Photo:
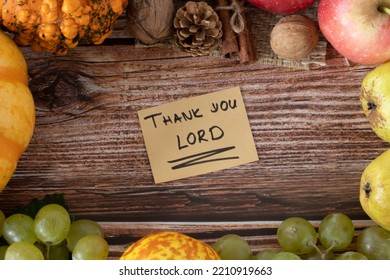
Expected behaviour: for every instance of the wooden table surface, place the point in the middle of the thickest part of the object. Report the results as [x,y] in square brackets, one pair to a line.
[312,139]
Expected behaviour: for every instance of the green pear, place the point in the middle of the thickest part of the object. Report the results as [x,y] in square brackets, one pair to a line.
[375,190]
[375,100]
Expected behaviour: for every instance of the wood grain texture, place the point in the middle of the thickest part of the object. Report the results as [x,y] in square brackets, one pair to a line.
[311,135]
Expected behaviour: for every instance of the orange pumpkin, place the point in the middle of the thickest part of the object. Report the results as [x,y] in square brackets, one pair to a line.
[56,26]
[17,109]
[168,245]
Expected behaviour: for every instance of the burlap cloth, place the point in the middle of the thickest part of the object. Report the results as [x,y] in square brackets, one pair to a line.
[261,25]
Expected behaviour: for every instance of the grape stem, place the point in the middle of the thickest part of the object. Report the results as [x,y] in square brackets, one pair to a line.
[334,243]
[324,253]
[320,252]
[48,246]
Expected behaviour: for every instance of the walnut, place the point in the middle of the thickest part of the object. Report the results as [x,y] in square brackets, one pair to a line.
[294,37]
[150,21]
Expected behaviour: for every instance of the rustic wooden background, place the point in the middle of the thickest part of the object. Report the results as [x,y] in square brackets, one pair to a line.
[312,139]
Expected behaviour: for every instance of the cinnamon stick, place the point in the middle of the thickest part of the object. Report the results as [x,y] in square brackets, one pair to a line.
[229,40]
[247,52]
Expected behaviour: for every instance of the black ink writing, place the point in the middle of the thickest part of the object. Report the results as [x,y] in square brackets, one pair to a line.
[153,119]
[175,118]
[223,105]
[202,158]
[214,133]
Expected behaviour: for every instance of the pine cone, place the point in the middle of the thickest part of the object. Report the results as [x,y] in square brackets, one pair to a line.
[198,28]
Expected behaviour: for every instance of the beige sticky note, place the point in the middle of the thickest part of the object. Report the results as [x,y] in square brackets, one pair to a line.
[197,135]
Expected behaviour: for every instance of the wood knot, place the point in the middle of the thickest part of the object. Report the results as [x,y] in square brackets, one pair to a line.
[57,90]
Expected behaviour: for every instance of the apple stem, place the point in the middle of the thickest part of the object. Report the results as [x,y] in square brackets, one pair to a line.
[385,10]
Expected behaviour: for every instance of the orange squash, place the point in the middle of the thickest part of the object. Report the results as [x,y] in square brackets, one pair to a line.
[17,109]
[57,26]
[168,245]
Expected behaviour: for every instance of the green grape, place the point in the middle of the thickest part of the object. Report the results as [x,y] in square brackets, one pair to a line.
[19,227]
[90,247]
[58,252]
[2,218]
[233,247]
[297,235]
[266,254]
[23,251]
[81,228]
[374,243]
[3,249]
[52,224]
[286,256]
[351,255]
[336,231]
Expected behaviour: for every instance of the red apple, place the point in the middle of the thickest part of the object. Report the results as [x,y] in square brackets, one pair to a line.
[282,7]
[358,29]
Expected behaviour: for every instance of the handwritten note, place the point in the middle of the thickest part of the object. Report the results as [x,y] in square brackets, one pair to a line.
[197,135]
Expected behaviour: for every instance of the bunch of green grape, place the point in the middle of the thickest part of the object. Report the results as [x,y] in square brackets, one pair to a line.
[332,240]
[298,239]
[51,235]
[334,235]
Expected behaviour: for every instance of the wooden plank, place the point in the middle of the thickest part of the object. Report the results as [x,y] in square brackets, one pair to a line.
[311,135]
